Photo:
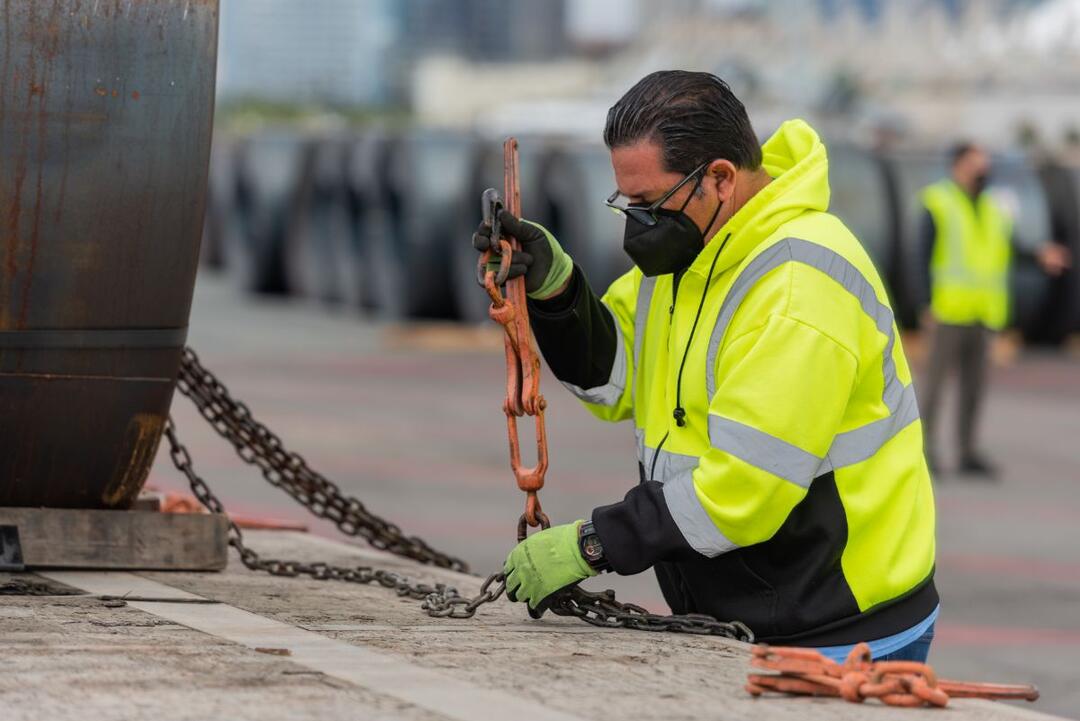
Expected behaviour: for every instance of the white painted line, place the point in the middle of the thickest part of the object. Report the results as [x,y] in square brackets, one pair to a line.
[379,672]
[118,583]
[545,628]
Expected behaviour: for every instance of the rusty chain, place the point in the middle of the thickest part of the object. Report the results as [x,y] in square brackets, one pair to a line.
[806,672]
[446,601]
[257,445]
[601,609]
[508,309]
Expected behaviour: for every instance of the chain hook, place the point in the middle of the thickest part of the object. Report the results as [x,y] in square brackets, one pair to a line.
[522,361]
[492,280]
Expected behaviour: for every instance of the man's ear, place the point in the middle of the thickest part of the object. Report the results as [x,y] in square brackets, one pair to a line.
[723,174]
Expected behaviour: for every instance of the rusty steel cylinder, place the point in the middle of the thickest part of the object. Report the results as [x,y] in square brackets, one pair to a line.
[105,123]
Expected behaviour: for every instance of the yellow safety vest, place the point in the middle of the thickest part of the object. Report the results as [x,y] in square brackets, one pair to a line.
[800,457]
[969,265]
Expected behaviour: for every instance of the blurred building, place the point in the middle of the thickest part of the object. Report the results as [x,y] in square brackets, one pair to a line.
[363,52]
[484,30]
[335,52]
[873,10]
[927,66]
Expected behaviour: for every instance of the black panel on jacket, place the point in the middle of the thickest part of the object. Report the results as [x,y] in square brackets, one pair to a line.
[790,588]
[639,531]
[576,334]
[791,583]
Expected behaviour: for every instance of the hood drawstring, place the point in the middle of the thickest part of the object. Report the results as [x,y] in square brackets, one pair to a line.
[679,414]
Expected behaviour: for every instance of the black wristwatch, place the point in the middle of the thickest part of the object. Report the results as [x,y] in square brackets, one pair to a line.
[591,548]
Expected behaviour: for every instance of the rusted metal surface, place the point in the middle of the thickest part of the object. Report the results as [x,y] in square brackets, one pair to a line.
[105,124]
[805,672]
[522,361]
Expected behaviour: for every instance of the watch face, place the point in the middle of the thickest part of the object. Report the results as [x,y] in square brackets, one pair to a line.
[591,547]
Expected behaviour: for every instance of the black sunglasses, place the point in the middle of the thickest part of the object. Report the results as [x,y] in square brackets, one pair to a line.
[646,215]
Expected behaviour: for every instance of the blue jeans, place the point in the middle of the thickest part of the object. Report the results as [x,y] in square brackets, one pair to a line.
[917,650]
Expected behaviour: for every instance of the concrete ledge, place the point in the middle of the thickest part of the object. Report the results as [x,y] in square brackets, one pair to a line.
[130,540]
[275,648]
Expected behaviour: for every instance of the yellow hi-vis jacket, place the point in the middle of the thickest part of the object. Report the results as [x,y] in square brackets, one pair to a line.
[969,263]
[793,494]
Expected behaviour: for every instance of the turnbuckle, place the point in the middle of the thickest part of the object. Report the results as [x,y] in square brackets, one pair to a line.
[522,361]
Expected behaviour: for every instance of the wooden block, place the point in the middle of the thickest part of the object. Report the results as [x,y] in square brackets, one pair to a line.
[148,501]
[129,540]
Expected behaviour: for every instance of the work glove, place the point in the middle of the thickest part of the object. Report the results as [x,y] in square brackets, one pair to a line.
[542,261]
[544,563]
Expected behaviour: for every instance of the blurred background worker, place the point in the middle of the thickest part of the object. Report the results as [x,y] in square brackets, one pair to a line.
[966,237]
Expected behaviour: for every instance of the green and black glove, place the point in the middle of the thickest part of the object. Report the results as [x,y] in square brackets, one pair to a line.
[542,261]
[545,562]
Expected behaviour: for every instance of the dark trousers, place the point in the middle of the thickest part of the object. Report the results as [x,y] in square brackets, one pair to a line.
[962,348]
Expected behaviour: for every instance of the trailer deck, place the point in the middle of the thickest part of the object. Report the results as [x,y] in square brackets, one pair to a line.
[245,645]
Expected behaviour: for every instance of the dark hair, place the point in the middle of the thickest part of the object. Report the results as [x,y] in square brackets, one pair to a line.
[694,117]
[960,149]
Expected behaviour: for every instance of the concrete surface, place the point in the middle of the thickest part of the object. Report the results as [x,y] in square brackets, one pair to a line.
[409,421]
[277,648]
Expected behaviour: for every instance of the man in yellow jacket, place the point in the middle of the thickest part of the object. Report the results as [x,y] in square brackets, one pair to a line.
[966,237]
[782,479]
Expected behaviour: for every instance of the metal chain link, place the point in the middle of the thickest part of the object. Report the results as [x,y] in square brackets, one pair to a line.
[449,604]
[601,609]
[257,445]
[439,599]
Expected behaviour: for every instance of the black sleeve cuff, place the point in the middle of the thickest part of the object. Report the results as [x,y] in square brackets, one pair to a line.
[639,531]
[576,334]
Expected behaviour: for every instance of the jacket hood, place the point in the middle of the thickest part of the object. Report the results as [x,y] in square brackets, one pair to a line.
[795,159]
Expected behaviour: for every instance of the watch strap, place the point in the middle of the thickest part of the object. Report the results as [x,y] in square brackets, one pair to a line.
[592,550]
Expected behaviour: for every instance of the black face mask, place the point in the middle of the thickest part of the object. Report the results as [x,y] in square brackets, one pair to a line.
[979,183]
[668,246]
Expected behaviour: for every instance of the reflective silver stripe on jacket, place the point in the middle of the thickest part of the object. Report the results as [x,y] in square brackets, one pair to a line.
[776,455]
[800,467]
[831,264]
[860,444]
[641,318]
[764,451]
[691,518]
[609,393]
[668,464]
[761,449]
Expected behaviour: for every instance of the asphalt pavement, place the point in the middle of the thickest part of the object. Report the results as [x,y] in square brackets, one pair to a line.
[408,419]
